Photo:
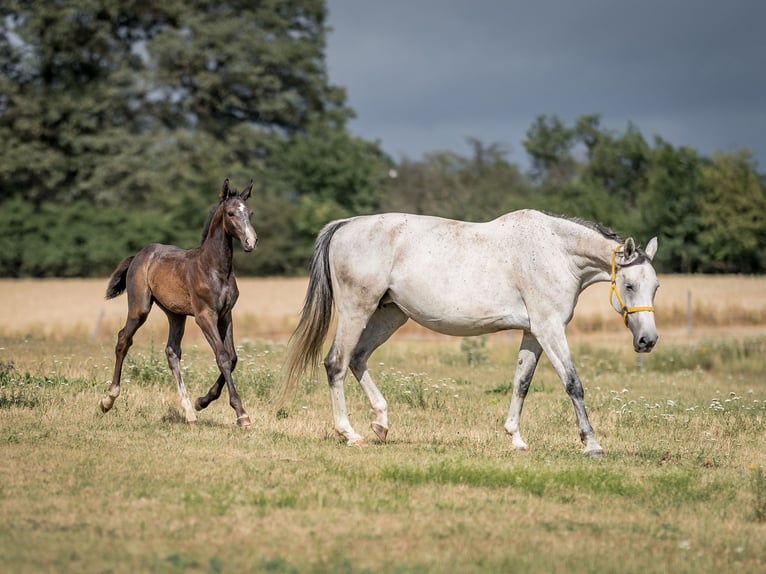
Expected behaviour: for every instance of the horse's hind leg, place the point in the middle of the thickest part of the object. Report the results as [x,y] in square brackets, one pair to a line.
[529,354]
[384,322]
[138,311]
[176,328]
[336,363]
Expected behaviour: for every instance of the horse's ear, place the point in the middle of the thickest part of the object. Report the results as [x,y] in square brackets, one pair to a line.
[225,189]
[651,248]
[628,250]
[245,195]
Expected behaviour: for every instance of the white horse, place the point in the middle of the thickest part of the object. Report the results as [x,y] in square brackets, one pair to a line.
[523,270]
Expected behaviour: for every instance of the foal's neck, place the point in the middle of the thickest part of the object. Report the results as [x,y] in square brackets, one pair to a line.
[217,250]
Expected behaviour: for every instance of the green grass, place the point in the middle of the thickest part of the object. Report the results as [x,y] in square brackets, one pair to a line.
[681,488]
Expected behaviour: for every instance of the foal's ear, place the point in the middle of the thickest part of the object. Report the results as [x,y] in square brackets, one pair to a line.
[651,248]
[245,195]
[225,189]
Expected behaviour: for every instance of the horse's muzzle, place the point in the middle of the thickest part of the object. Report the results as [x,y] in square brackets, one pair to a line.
[249,243]
[645,343]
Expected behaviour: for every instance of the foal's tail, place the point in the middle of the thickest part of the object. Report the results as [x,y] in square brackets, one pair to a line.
[305,343]
[117,282]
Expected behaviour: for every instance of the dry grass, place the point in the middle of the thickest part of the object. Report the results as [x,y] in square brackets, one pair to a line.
[137,490]
[269,309]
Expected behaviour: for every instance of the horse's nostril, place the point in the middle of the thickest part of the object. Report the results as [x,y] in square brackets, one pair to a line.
[646,343]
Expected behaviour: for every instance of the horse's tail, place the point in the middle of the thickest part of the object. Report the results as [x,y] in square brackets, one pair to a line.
[117,282]
[305,343]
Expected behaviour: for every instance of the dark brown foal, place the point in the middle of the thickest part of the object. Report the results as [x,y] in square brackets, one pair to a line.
[198,282]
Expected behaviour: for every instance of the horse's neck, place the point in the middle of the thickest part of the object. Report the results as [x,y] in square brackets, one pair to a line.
[217,249]
[592,256]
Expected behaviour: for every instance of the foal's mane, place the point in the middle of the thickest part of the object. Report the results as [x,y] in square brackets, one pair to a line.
[208,222]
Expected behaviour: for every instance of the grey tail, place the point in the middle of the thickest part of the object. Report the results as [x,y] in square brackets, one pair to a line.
[306,341]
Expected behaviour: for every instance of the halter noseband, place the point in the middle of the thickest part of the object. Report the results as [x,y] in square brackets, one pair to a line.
[613,289]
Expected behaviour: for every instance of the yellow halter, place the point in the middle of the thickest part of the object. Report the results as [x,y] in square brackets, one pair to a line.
[613,289]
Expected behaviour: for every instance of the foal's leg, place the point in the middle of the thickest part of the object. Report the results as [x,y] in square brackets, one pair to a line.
[383,323]
[139,306]
[529,354]
[556,348]
[226,358]
[176,327]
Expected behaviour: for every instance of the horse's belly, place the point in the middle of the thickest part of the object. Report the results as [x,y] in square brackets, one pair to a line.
[465,317]
[173,296]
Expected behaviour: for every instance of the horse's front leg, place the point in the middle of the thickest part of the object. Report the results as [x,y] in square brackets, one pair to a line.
[226,358]
[529,354]
[557,350]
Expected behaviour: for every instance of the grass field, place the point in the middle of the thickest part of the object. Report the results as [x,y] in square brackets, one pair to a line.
[682,488]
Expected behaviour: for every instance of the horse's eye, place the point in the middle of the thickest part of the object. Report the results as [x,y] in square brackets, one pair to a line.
[231,213]
[628,287]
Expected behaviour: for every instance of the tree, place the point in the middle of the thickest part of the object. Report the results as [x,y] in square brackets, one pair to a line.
[148,107]
[669,209]
[549,145]
[732,214]
[475,188]
[68,95]
[618,163]
[94,93]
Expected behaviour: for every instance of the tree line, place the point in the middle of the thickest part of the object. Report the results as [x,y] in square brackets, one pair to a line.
[120,120]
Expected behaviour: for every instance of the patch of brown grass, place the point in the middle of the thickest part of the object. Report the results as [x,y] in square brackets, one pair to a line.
[269,308]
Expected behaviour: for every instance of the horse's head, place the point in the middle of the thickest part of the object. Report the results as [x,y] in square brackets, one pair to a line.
[237,214]
[634,284]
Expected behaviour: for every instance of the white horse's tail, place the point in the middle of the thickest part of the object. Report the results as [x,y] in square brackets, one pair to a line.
[305,343]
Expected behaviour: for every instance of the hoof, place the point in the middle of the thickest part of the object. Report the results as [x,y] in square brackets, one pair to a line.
[594,452]
[243,421]
[519,445]
[357,442]
[198,405]
[380,431]
[102,406]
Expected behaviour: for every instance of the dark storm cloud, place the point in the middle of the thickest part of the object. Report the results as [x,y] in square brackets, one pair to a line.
[425,74]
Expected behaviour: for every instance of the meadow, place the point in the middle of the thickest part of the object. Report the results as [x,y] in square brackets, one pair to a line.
[682,487]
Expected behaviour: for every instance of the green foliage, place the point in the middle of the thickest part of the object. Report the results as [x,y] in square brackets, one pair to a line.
[732,215]
[538,482]
[736,356]
[758,489]
[120,120]
[474,349]
[26,390]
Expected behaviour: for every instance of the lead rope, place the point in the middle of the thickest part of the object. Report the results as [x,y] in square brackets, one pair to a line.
[613,289]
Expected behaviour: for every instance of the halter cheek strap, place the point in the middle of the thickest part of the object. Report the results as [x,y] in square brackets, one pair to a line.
[613,289]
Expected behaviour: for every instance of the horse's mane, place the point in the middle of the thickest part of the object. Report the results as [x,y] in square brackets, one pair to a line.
[209,221]
[597,227]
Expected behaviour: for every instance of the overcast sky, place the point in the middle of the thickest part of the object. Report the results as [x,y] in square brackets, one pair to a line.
[424,75]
